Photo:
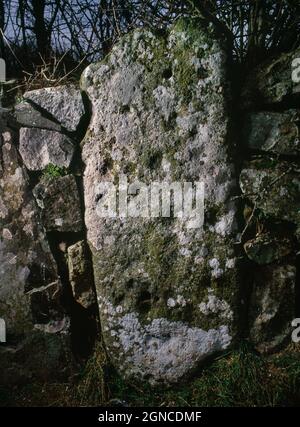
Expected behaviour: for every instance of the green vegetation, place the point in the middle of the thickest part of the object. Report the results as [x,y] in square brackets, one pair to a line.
[239,378]
[53,171]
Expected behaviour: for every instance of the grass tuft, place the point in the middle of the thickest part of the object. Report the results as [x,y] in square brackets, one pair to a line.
[92,387]
[240,378]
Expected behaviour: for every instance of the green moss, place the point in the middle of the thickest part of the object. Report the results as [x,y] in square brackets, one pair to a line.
[185,74]
[197,30]
[166,274]
[130,169]
[155,68]
[192,43]
[179,64]
[151,157]
[169,271]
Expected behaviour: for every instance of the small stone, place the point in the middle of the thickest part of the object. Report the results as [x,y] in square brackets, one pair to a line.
[6,234]
[274,187]
[63,247]
[266,248]
[272,306]
[64,103]
[81,274]
[27,116]
[171,302]
[271,82]
[59,201]
[39,148]
[273,132]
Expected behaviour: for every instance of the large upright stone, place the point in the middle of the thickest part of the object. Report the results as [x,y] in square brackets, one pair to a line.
[167,293]
[29,284]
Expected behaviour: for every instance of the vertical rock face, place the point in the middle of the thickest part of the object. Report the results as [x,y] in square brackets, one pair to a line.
[29,285]
[167,293]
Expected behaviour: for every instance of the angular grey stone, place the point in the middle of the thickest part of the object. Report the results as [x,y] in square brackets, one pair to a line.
[271,82]
[39,148]
[273,132]
[272,306]
[167,294]
[266,248]
[274,187]
[64,103]
[59,201]
[27,116]
[81,274]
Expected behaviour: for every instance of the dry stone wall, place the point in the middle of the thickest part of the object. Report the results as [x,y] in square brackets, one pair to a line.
[169,295]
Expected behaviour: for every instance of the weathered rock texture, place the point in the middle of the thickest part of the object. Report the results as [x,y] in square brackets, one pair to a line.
[63,103]
[274,132]
[40,147]
[28,116]
[271,185]
[29,285]
[59,201]
[271,182]
[40,216]
[169,295]
[272,305]
[271,82]
[160,113]
[266,248]
[81,274]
